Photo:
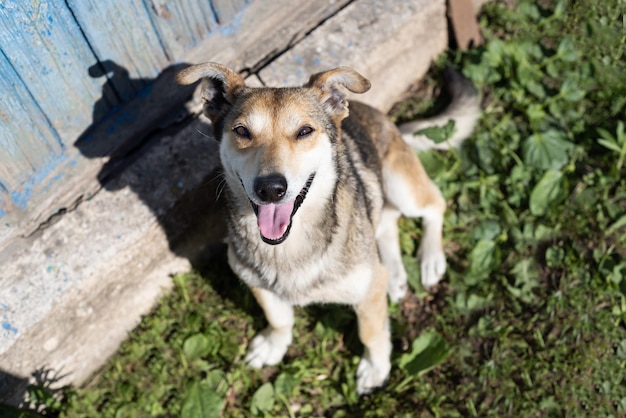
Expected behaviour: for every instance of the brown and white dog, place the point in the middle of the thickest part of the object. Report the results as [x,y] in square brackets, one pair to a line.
[314,195]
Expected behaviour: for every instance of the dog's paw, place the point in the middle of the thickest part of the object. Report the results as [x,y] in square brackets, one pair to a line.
[397,290]
[433,266]
[370,377]
[268,348]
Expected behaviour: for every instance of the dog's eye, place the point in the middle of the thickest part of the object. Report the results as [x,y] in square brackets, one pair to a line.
[304,131]
[242,131]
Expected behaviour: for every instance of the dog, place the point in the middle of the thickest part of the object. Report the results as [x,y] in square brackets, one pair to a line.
[315,188]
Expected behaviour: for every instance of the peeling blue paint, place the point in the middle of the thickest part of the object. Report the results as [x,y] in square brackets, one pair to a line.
[21,197]
[8,327]
[2,213]
[232,27]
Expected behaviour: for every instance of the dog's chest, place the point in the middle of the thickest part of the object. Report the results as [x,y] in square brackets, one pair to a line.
[306,269]
[322,280]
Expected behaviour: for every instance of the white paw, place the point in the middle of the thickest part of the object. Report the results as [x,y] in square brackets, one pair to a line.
[370,377]
[397,284]
[268,348]
[397,289]
[433,266]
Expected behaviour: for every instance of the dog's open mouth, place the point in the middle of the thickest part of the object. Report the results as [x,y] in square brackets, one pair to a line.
[274,220]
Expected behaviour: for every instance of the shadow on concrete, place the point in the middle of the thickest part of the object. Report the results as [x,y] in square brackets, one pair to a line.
[39,396]
[14,385]
[141,132]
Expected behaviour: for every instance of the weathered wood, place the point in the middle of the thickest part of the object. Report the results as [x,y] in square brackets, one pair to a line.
[122,35]
[45,46]
[181,24]
[396,41]
[265,29]
[26,138]
[28,144]
[226,10]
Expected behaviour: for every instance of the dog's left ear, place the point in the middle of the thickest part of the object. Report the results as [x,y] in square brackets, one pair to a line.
[220,87]
[332,86]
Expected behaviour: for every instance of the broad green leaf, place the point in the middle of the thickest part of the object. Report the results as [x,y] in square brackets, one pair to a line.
[427,351]
[525,281]
[567,51]
[610,145]
[263,399]
[617,276]
[525,272]
[606,134]
[214,378]
[196,346]
[285,384]
[201,401]
[570,90]
[438,134]
[482,259]
[529,10]
[535,113]
[547,191]
[495,51]
[536,88]
[486,229]
[547,150]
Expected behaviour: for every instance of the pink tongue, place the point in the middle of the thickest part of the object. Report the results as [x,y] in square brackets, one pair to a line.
[273,219]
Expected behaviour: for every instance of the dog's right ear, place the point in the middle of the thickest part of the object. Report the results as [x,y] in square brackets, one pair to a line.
[220,86]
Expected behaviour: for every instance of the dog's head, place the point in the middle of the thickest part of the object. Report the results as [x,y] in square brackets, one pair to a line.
[276,143]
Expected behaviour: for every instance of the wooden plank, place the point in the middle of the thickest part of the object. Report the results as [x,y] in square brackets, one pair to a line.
[391,43]
[226,10]
[29,146]
[181,24]
[45,46]
[264,30]
[121,33]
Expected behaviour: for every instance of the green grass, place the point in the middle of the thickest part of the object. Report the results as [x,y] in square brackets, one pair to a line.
[530,320]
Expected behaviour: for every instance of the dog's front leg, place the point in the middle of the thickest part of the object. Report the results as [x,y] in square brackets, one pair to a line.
[270,345]
[374,333]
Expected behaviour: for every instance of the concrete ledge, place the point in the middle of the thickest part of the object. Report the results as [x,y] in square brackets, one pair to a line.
[390,43]
[69,296]
[75,291]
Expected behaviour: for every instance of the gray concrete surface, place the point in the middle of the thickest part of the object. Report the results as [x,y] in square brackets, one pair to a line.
[70,295]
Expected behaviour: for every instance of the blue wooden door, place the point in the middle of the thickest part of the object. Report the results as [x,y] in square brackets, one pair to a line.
[65,65]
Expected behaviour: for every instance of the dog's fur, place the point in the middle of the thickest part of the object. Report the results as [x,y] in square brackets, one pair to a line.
[314,194]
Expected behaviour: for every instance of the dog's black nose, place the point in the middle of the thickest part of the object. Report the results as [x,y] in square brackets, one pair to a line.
[270,189]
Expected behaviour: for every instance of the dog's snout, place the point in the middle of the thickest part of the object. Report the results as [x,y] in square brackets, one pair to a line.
[270,189]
